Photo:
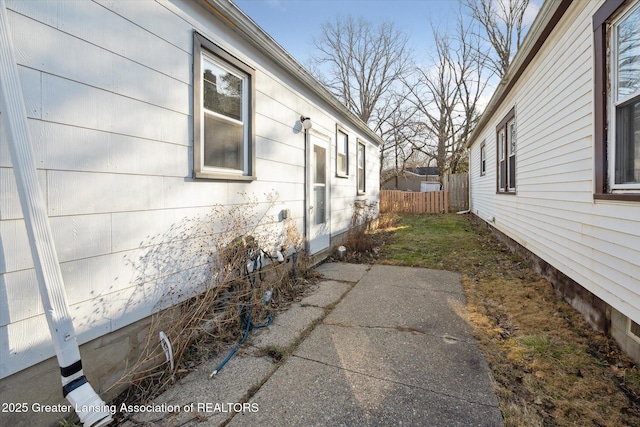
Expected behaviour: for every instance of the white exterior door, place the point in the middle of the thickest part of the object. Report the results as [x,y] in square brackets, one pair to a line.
[318,193]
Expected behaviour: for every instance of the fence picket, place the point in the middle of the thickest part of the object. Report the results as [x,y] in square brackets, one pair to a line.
[458,187]
[414,202]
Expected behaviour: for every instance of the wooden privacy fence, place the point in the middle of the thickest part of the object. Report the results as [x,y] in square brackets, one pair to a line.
[458,187]
[414,202]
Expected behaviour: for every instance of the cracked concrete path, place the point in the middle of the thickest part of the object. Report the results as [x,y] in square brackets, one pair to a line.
[371,346]
[396,350]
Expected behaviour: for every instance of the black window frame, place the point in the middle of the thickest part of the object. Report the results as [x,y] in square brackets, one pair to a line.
[506,167]
[483,158]
[601,23]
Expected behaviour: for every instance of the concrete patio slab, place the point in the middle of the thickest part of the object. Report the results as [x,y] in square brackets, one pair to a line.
[308,393]
[440,364]
[328,292]
[378,301]
[395,350]
[200,394]
[342,271]
[287,327]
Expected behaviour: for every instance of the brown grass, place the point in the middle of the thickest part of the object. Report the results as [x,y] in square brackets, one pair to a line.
[550,367]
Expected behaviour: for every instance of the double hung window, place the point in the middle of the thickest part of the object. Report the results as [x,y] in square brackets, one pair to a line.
[223,114]
[342,153]
[624,119]
[506,142]
[616,27]
[361,167]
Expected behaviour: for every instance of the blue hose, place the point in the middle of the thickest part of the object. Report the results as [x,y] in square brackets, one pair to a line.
[246,319]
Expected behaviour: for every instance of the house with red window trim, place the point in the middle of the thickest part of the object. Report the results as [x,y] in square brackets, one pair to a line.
[555,159]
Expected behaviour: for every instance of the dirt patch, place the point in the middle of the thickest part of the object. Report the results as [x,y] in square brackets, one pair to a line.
[550,367]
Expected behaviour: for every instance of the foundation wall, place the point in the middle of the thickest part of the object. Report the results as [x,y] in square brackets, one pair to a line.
[600,315]
[104,360]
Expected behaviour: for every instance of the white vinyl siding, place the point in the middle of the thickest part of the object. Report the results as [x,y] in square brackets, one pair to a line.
[114,153]
[554,215]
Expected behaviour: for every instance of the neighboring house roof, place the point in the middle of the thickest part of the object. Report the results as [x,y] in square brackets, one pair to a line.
[237,19]
[546,20]
[417,172]
[408,173]
[424,170]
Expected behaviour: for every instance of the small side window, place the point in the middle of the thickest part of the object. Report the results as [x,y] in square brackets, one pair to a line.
[361,167]
[483,158]
[342,153]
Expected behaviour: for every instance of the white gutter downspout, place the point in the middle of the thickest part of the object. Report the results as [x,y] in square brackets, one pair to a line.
[90,408]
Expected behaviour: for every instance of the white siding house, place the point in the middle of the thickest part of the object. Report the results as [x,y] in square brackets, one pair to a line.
[143,116]
[555,160]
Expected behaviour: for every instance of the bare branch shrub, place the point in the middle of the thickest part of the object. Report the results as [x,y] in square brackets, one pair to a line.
[248,252]
[359,240]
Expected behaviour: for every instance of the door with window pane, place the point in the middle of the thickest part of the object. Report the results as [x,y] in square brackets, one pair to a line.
[318,193]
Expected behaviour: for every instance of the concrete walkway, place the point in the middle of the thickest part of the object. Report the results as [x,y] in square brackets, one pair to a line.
[395,350]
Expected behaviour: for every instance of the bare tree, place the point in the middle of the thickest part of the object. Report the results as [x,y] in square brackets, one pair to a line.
[472,80]
[403,134]
[502,26]
[447,94]
[363,62]
[363,66]
[435,96]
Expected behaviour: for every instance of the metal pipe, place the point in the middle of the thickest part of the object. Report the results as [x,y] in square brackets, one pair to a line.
[89,407]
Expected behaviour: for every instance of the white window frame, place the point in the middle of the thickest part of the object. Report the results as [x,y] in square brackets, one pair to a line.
[206,51]
[342,147]
[615,103]
[361,158]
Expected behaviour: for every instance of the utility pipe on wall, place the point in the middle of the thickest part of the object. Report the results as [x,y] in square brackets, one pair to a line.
[89,407]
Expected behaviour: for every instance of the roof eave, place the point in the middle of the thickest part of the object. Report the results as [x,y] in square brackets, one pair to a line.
[546,20]
[238,20]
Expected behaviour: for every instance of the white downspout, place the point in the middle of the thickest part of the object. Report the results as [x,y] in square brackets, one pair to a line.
[88,405]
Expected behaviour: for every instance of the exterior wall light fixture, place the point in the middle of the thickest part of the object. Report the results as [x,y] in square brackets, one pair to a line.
[306,122]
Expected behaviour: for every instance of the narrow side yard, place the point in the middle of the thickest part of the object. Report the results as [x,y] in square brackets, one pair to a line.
[550,367]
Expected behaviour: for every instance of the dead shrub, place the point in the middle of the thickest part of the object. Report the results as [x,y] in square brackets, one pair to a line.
[248,255]
[387,220]
[359,240]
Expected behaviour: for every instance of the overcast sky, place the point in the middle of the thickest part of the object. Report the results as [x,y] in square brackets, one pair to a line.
[293,23]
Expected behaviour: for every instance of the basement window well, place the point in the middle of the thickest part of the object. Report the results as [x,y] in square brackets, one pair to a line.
[633,330]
